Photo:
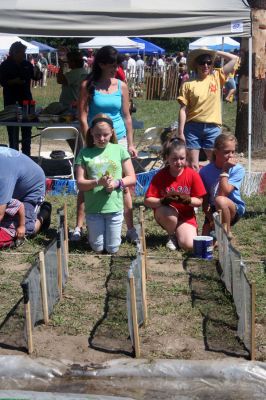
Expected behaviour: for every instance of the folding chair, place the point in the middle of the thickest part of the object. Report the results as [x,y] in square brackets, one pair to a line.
[149,154]
[66,159]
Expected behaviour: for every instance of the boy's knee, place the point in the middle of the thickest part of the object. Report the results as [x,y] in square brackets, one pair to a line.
[220,202]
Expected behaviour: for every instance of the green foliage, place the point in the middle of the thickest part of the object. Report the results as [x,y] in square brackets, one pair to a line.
[171,45]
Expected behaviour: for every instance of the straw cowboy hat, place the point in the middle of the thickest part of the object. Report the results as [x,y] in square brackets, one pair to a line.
[194,54]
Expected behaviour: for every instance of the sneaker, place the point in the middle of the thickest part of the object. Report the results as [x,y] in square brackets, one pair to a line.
[132,235]
[76,234]
[171,243]
[44,215]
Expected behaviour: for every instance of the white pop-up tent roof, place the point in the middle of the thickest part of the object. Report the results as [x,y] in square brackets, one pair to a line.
[80,18]
[7,40]
[119,42]
[215,43]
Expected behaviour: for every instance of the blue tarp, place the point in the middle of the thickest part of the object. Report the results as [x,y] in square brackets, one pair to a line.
[43,46]
[149,49]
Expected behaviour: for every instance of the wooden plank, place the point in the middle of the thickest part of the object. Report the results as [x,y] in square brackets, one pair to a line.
[28,326]
[253,318]
[134,315]
[44,288]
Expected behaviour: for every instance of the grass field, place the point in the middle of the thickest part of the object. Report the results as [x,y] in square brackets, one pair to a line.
[151,112]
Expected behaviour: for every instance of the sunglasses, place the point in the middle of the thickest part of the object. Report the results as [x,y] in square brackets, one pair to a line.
[203,62]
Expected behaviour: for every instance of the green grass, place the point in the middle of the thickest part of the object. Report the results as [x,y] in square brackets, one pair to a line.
[151,112]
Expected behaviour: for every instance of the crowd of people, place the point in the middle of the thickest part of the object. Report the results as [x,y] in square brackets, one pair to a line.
[104,171]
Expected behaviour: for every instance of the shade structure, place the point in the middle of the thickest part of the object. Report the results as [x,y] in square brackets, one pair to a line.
[90,18]
[43,46]
[149,48]
[117,42]
[7,40]
[215,43]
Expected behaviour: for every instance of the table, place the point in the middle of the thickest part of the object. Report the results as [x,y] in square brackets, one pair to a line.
[39,125]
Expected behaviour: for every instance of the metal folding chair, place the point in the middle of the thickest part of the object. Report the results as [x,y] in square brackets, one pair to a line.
[149,150]
[58,133]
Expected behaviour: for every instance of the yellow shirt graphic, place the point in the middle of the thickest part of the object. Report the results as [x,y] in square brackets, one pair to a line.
[202,98]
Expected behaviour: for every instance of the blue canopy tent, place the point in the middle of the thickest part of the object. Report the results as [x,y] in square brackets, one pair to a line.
[149,48]
[43,47]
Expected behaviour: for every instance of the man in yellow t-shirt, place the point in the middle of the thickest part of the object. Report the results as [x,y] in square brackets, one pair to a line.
[200,102]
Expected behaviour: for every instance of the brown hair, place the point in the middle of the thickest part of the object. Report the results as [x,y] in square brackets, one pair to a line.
[75,57]
[100,118]
[172,144]
[221,140]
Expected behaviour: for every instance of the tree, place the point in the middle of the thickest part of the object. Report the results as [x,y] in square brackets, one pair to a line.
[258,82]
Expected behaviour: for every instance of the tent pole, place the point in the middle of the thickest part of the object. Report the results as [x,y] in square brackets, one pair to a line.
[249,102]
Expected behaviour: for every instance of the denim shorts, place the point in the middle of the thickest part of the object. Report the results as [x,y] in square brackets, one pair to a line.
[200,135]
[31,211]
[230,84]
[104,231]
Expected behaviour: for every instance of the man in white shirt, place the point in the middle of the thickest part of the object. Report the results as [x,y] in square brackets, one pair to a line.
[161,65]
[131,73]
[131,67]
[140,69]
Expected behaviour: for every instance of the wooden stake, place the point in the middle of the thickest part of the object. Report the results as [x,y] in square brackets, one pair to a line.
[44,288]
[134,315]
[28,326]
[253,317]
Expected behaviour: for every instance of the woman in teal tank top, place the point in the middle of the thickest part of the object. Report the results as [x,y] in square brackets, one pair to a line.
[102,93]
[111,103]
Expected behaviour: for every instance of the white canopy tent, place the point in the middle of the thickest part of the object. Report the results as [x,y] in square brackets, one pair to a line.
[7,40]
[90,18]
[119,42]
[216,43]
[168,18]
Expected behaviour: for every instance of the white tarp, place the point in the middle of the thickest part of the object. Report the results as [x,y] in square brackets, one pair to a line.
[216,43]
[7,40]
[132,379]
[80,18]
[119,42]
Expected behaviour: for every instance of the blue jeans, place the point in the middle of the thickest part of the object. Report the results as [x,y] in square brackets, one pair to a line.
[104,231]
[200,135]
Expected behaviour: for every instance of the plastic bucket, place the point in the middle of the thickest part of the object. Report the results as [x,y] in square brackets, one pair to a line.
[203,247]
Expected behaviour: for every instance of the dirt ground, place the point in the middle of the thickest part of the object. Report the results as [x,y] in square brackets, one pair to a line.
[89,325]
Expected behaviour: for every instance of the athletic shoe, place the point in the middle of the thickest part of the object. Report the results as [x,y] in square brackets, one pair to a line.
[171,243]
[132,236]
[76,234]
[44,215]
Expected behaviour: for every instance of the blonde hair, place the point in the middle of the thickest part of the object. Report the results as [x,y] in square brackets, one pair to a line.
[96,120]
[221,140]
